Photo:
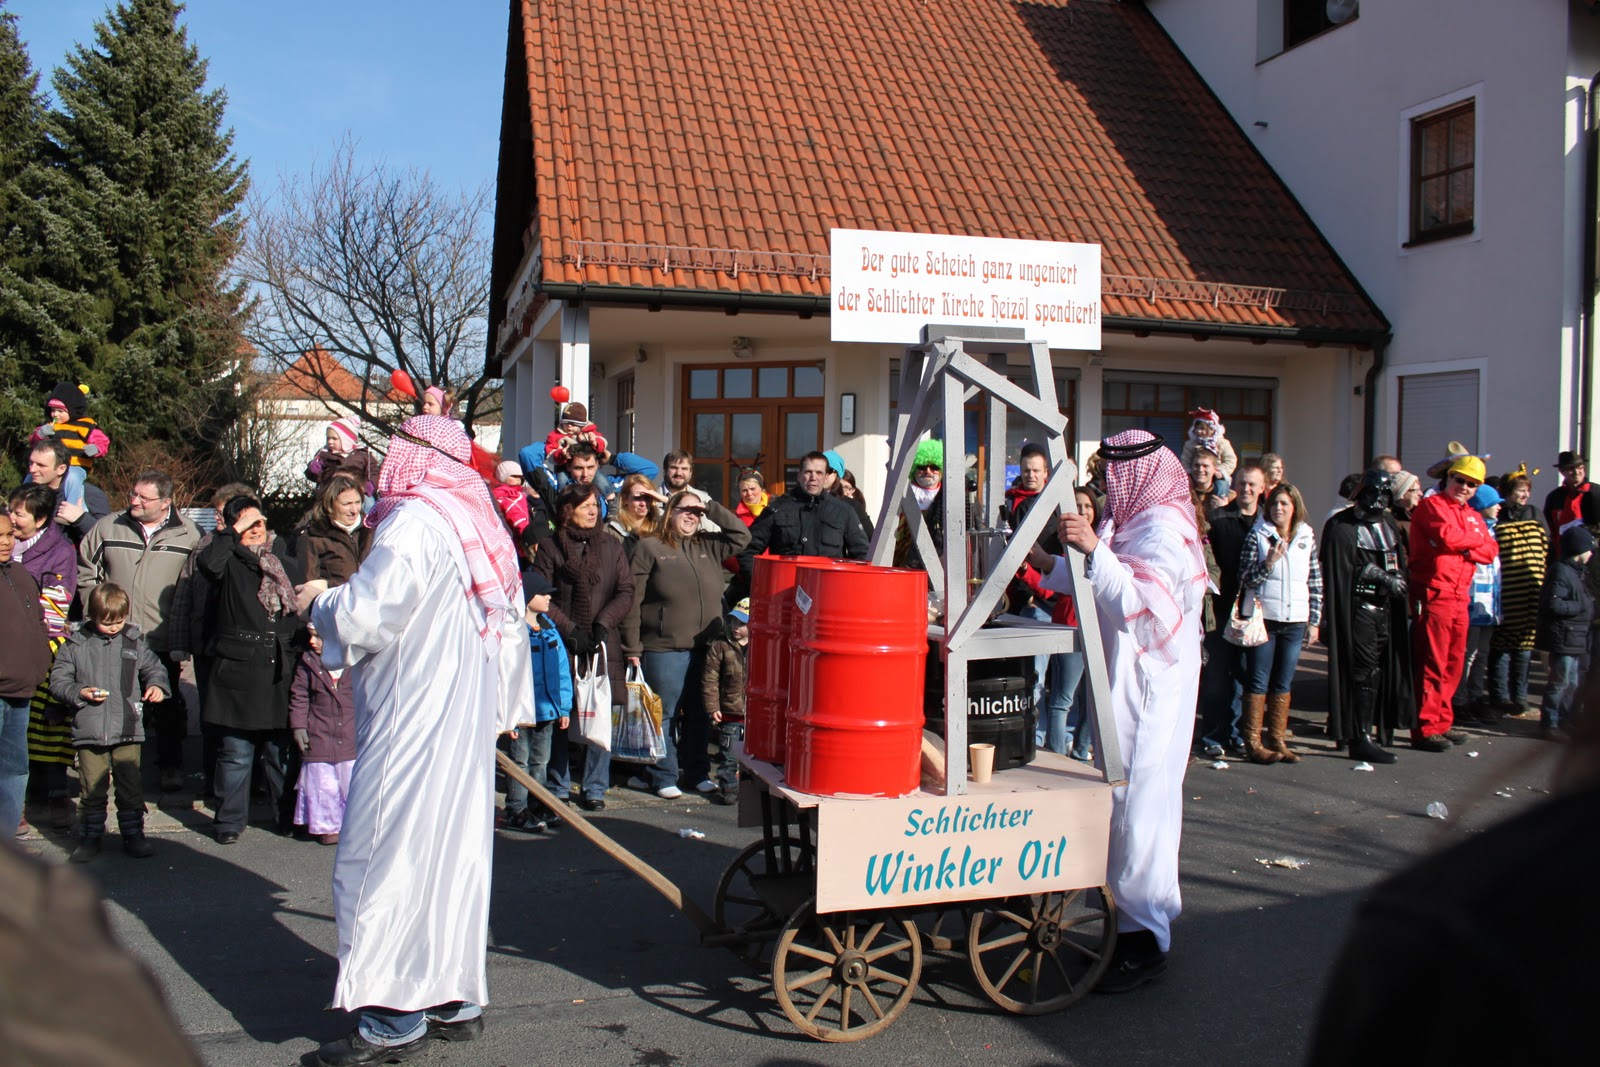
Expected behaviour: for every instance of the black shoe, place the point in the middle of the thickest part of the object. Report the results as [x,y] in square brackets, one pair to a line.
[137,847]
[88,848]
[592,803]
[464,1030]
[1362,748]
[724,799]
[355,1049]
[1212,750]
[1432,743]
[231,837]
[1136,961]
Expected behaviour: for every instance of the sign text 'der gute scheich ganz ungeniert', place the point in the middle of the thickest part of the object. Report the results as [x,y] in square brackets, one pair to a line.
[886,285]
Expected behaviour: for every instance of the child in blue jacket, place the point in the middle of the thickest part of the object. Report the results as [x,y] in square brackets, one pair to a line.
[530,745]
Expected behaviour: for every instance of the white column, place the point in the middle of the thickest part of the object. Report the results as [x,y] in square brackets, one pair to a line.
[510,422]
[575,353]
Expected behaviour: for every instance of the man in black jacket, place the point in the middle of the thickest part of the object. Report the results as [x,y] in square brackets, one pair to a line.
[47,466]
[1219,688]
[806,522]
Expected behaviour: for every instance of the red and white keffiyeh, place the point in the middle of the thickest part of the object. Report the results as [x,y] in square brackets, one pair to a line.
[1150,510]
[429,460]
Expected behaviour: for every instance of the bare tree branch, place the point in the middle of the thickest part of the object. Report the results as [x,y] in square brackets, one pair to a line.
[383,270]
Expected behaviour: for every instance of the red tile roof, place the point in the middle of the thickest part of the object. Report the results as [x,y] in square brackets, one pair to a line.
[319,375]
[710,145]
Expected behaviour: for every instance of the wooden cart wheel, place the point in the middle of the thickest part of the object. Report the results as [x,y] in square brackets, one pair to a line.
[739,909]
[845,977]
[1034,955]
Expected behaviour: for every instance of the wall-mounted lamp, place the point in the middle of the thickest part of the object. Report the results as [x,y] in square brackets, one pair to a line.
[847,413]
[742,348]
[640,355]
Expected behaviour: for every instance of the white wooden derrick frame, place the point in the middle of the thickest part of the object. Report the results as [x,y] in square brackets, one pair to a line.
[937,379]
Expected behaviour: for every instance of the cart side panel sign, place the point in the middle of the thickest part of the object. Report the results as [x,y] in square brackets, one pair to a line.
[932,849]
[888,285]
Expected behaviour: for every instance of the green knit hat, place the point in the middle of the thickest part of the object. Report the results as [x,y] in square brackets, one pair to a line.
[929,451]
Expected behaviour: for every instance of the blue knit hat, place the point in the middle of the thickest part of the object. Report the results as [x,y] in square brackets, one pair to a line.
[1485,498]
[836,462]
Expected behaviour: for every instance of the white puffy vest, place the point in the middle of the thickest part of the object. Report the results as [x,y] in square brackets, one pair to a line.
[1285,595]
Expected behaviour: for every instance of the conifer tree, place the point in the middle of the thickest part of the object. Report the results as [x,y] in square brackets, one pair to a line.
[142,140]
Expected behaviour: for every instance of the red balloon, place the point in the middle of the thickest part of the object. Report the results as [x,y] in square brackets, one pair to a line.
[561,394]
[403,384]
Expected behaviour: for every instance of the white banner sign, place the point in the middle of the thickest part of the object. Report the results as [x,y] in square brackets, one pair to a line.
[887,286]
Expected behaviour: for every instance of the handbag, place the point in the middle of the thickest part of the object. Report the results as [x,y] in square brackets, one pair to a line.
[591,701]
[636,736]
[1246,631]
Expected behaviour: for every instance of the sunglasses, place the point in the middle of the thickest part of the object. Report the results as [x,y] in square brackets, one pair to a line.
[638,500]
[1464,482]
[698,513]
[930,467]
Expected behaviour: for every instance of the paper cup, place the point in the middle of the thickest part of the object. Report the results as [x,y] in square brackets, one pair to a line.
[981,759]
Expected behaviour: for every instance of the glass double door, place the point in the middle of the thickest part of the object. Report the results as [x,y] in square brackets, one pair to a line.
[764,417]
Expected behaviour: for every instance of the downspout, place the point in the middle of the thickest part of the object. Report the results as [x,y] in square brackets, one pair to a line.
[1591,220]
[1369,400]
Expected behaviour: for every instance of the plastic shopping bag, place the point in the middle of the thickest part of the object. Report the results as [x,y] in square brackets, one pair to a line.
[591,691]
[636,736]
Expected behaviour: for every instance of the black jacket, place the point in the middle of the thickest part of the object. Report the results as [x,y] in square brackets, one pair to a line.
[798,525]
[1228,532]
[1566,612]
[1342,560]
[252,662]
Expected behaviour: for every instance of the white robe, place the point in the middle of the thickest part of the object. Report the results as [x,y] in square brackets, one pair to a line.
[411,877]
[1153,702]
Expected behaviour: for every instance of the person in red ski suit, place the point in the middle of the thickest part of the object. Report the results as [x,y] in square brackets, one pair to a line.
[1448,538]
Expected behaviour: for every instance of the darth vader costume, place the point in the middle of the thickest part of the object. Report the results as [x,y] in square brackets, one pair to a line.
[1364,622]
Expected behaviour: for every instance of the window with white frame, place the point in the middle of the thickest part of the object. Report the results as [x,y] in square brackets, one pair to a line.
[1443,180]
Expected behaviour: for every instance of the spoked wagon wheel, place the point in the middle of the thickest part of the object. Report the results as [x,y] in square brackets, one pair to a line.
[739,908]
[845,977]
[1034,955]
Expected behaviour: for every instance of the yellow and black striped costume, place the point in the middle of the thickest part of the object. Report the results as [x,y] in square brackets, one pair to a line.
[48,743]
[1524,552]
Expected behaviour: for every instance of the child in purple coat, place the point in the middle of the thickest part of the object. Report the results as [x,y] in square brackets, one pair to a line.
[323,721]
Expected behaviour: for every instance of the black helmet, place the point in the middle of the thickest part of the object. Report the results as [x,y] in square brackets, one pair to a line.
[1376,491]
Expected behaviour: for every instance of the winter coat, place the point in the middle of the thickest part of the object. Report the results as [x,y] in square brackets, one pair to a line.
[800,525]
[1291,589]
[722,679]
[1019,503]
[357,463]
[330,553]
[1566,611]
[190,614]
[1447,540]
[121,664]
[552,673]
[322,706]
[252,662]
[24,645]
[610,598]
[53,562]
[116,551]
[678,591]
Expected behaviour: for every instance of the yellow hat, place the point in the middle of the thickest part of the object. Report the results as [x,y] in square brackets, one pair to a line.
[1471,466]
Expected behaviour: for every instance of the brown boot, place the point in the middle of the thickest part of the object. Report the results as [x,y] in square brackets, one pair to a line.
[1252,707]
[1278,727]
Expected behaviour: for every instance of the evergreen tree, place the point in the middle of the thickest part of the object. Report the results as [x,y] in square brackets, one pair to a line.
[142,141]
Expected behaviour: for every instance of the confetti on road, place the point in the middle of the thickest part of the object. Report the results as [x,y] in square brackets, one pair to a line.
[1294,863]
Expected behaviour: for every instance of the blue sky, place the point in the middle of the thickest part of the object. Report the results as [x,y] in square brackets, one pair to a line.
[418,84]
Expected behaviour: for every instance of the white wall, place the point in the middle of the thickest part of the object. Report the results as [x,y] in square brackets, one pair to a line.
[1333,113]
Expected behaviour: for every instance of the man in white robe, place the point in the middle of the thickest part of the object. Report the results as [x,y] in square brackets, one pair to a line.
[430,630]
[1147,569]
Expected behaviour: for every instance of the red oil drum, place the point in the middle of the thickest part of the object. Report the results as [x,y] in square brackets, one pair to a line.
[855,709]
[771,625]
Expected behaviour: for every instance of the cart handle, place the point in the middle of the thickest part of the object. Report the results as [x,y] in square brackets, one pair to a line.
[657,881]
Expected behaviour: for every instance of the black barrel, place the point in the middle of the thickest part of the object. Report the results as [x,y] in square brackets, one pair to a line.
[1000,707]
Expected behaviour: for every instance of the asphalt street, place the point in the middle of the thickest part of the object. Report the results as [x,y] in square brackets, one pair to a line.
[588,965]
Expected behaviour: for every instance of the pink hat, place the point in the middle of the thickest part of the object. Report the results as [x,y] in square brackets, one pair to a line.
[437,393]
[348,428]
[507,470]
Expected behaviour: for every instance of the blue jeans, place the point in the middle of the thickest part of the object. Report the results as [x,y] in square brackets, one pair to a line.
[13,762]
[1220,692]
[1508,676]
[1561,697]
[236,756]
[387,1027]
[530,751]
[596,771]
[1061,717]
[1051,704]
[667,673]
[1269,668]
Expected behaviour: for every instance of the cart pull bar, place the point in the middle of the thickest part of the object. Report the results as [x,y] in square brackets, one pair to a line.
[658,881]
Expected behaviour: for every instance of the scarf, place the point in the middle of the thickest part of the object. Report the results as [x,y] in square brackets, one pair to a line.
[924,496]
[579,570]
[276,592]
[429,461]
[20,548]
